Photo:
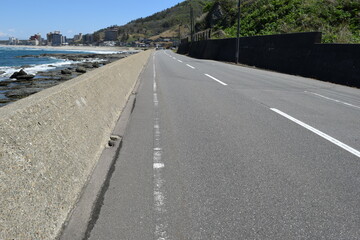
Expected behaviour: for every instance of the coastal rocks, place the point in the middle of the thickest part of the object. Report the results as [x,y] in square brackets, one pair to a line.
[24,92]
[44,84]
[87,65]
[16,74]
[66,71]
[5,83]
[25,77]
[48,74]
[2,72]
[66,77]
[80,70]
[23,84]
[22,75]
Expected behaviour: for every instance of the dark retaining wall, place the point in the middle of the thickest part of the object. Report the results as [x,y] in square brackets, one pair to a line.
[298,54]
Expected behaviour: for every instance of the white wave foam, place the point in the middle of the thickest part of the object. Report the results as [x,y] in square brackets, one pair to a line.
[67,50]
[20,48]
[34,69]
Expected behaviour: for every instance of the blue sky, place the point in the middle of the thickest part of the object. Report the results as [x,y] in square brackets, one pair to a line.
[23,18]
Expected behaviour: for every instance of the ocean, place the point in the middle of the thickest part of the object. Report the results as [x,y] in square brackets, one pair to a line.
[9,63]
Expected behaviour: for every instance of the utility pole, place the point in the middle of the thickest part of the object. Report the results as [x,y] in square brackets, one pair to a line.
[192,23]
[238,35]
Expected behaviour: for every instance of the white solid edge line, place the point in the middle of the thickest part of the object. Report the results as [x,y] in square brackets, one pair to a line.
[215,79]
[318,132]
[334,100]
[190,66]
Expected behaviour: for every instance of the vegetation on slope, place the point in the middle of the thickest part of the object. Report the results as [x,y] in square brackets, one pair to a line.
[339,20]
[158,23]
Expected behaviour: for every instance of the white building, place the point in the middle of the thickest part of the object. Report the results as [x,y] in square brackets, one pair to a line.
[13,41]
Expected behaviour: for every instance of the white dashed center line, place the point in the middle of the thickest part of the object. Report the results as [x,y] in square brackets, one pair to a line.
[215,79]
[158,168]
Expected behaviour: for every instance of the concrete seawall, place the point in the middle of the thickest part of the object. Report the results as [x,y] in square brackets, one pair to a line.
[51,141]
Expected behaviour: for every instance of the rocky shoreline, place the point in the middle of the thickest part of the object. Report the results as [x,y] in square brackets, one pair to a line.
[22,84]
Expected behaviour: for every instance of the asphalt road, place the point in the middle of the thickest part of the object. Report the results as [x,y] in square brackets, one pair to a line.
[218,151]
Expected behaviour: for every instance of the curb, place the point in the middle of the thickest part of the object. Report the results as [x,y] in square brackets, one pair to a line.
[84,215]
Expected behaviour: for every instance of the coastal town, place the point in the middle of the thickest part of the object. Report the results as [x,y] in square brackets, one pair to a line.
[111,38]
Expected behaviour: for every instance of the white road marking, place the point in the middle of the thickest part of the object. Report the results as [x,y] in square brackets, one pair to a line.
[156,101]
[216,79]
[154,67]
[154,87]
[180,61]
[190,66]
[158,168]
[334,100]
[318,132]
[158,165]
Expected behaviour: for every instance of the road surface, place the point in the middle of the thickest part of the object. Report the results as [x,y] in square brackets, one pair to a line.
[218,151]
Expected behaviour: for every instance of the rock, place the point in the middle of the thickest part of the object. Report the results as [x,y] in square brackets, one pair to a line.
[2,72]
[3,101]
[66,71]
[80,70]
[89,65]
[25,77]
[53,73]
[14,75]
[22,72]
[45,85]
[5,83]
[95,65]
[86,65]
[24,92]
[22,75]
[66,77]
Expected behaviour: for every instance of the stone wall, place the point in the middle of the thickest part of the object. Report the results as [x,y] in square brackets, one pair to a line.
[298,54]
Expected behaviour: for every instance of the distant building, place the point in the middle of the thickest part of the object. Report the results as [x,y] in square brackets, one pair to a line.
[63,40]
[55,39]
[49,38]
[13,41]
[36,39]
[88,38]
[78,37]
[111,34]
[107,44]
[34,42]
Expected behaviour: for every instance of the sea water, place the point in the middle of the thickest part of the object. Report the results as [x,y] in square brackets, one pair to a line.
[10,61]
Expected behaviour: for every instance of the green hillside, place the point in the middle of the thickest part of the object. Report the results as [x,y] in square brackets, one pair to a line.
[160,22]
[339,20]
